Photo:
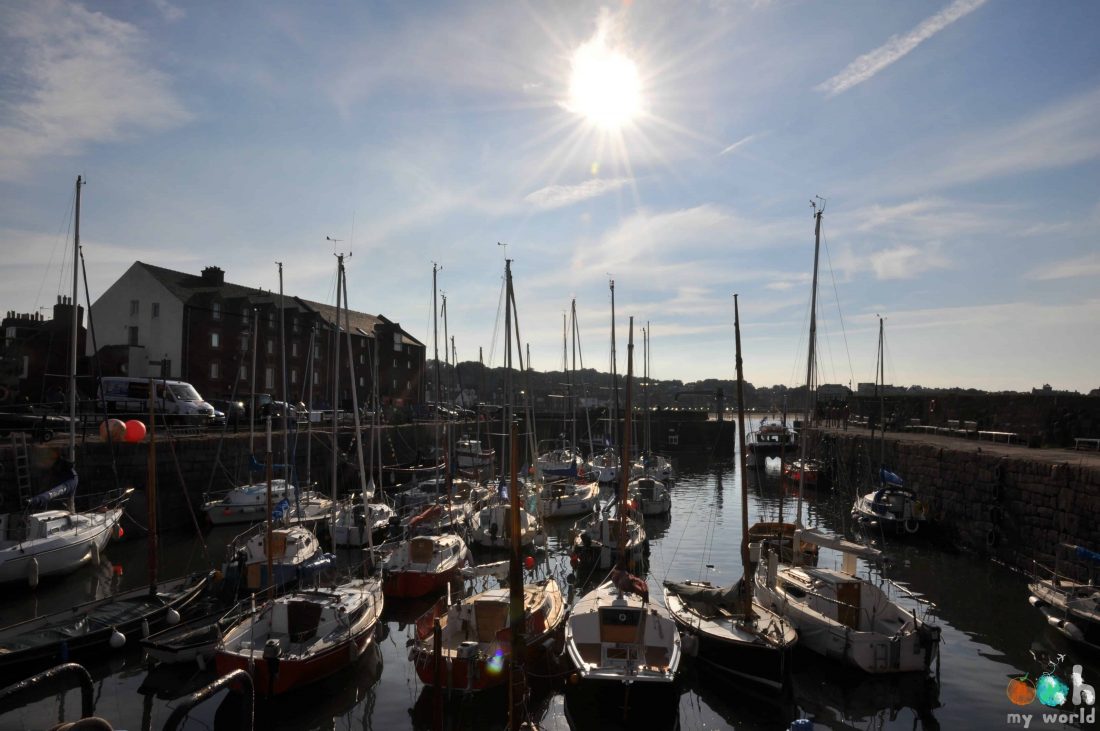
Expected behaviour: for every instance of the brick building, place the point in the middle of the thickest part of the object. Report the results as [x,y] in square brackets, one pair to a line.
[214,334]
[34,359]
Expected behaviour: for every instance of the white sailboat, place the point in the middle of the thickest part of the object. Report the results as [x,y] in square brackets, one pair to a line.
[838,613]
[38,541]
[614,636]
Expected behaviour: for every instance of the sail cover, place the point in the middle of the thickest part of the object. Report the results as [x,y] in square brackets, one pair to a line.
[62,490]
[890,478]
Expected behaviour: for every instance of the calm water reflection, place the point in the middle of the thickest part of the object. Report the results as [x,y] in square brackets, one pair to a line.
[990,635]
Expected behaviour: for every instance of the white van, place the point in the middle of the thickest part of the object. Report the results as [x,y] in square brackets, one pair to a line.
[174,398]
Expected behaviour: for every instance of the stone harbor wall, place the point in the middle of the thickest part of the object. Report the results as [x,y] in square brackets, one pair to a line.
[1016,507]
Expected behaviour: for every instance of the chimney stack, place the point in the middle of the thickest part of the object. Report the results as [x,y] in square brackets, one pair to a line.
[213,276]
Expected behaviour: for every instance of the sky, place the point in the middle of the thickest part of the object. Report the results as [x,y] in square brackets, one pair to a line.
[674,147]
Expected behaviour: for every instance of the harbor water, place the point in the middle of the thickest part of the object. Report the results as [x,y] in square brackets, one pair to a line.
[990,636]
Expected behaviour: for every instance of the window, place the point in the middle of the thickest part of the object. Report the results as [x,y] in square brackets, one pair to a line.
[397,342]
[246,315]
[243,373]
[244,343]
[269,377]
[395,362]
[215,340]
[216,310]
[395,384]
[26,366]
[215,369]
[133,334]
[294,324]
[316,351]
[270,346]
[271,318]
[156,309]
[408,385]
[133,307]
[360,381]
[294,350]
[293,377]
[362,359]
[408,365]
[316,378]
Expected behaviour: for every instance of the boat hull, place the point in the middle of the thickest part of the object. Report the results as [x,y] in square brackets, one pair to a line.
[132,613]
[294,673]
[55,555]
[415,584]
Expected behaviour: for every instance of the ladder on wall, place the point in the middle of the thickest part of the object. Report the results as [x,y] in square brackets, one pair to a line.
[22,465]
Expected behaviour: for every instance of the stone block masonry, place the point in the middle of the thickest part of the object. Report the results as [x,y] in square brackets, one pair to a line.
[1013,503]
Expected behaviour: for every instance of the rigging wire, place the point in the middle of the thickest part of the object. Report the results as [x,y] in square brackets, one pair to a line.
[836,295]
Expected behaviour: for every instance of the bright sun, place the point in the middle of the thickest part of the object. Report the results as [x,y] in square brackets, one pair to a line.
[604,88]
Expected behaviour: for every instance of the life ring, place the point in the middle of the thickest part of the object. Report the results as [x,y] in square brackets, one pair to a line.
[911,525]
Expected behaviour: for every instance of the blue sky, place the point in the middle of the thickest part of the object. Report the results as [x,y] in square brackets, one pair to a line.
[956,144]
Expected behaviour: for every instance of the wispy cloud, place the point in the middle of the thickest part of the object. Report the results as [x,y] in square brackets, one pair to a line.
[1083,266]
[556,196]
[733,148]
[906,261]
[869,64]
[170,12]
[84,78]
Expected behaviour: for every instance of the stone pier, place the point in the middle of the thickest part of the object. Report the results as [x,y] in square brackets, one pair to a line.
[1012,502]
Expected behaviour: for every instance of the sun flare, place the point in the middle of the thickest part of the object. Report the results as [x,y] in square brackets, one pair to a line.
[604,87]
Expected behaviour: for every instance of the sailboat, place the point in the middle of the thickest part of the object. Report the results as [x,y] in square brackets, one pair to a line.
[734,632]
[565,489]
[45,542]
[91,628]
[492,526]
[306,635]
[893,505]
[604,465]
[1070,601]
[836,612]
[481,636]
[614,636]
[303,637]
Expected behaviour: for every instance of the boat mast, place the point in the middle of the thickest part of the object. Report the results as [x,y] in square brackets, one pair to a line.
[151,489]
[508,419]
[614,420]
[742,466]
[438,376]
[572,373]
[282,384]
[74,341]
[355,413]
[515,568]
[810,359]
[336,393]
[880,378]
[624,468]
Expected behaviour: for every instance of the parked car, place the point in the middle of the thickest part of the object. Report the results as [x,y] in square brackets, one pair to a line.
[234,412]
[41,422]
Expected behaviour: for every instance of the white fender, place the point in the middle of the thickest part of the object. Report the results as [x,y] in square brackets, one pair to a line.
[94,551]
[32,573]
[117,639]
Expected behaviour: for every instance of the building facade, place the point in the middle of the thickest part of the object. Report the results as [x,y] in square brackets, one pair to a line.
[35,357]
[229,340]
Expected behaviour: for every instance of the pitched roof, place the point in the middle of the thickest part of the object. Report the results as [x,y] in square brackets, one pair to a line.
[359,322]
[185,286]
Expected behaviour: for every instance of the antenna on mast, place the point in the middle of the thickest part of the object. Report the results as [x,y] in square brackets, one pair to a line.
[334,243]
